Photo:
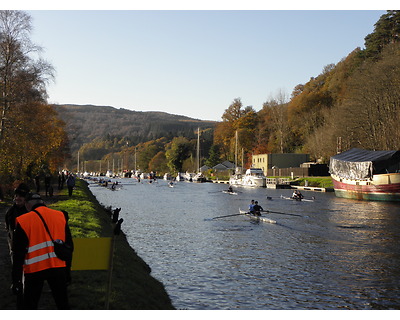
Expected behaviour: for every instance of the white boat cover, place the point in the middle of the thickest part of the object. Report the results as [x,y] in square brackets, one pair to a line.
[359,164]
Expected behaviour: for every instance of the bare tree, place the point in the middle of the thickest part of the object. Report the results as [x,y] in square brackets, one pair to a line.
[278,114]
[22,77]
[369,116]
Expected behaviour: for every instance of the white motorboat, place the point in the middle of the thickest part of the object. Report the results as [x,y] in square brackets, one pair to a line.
[254,177]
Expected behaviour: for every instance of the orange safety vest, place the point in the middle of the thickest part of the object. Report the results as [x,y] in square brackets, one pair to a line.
[41,255]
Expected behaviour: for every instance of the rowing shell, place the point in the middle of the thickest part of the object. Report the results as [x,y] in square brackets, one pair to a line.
[257,218]
[230,192]
[302,199]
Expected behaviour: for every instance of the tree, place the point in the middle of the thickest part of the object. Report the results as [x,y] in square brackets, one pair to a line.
[234,111]
[306,110]
[236,119]
[214,156]
[159,163]
[386,31]
[177,152]
[22,78]
[31,135]
[369,116]
[276,114]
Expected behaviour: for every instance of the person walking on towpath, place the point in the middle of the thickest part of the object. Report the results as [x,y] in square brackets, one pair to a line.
[34,258]
[70,183]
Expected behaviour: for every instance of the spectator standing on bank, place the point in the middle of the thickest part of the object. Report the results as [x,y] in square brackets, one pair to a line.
[34,259]
[47,184]
[37,183]
[61,180]
[70,183]
[17,209]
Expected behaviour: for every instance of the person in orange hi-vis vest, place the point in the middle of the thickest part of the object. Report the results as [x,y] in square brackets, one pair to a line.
[34,259]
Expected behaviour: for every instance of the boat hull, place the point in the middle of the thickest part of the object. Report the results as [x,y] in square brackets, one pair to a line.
[257,218]
[248,182]
[382,187]
[297,199]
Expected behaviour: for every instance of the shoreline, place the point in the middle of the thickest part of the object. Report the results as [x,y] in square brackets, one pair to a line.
[133,287]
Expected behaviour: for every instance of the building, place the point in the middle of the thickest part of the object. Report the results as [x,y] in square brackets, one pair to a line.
[288,164]
[279,160]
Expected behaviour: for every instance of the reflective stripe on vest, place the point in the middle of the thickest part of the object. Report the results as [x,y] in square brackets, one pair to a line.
[40,258]
[40,254]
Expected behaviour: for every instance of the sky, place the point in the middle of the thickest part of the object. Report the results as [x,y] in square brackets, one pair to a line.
[191,62]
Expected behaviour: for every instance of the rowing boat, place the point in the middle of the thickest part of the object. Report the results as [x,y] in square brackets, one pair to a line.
[257,218]
[297,199]
[230,192]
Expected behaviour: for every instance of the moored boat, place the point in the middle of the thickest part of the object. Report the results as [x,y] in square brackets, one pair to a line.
[199,177]
[167,176]
[366,175]
[254,177]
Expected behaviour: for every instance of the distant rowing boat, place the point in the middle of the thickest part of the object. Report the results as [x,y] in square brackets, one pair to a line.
[297,199]
[230,192]
[257,218]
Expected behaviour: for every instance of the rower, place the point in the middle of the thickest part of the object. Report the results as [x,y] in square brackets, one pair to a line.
[230,189]
[297,195]
[251,207]
[257,209]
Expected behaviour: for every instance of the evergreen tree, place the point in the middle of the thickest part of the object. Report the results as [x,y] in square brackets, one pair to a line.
[387,30]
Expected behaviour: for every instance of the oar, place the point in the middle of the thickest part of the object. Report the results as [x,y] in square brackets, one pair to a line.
[230,215]
[289,214]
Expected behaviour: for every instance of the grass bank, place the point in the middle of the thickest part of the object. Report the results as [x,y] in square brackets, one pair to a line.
[133,288]
[318,182]
[132,285]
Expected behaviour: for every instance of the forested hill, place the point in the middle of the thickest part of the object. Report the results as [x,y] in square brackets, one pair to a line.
[85,123]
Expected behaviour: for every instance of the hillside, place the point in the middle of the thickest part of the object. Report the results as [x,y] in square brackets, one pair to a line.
[85,123]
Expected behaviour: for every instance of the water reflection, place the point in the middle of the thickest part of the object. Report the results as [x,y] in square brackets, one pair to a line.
[332,253]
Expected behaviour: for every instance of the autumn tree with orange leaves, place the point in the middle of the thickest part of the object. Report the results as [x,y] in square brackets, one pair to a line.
[32,138]
[244,121]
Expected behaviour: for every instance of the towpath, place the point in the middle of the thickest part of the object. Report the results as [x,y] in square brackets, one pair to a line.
[7,299]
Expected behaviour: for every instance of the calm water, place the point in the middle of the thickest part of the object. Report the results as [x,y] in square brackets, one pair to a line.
[340,254]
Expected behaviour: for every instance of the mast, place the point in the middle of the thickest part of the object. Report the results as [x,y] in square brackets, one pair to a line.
[135,160]
[236,151]
[198,150]
[242,159]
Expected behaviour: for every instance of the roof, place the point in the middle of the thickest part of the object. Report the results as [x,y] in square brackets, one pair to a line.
[220,166]
[362,164]
[228,164]
[204,168]
[361,155]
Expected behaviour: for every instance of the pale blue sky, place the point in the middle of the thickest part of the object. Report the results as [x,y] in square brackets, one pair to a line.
[192,63]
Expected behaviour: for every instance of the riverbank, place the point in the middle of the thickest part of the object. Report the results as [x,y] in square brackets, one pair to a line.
[133,287]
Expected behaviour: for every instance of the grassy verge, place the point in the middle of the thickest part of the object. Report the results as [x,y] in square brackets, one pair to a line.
[132,286]
[319,182]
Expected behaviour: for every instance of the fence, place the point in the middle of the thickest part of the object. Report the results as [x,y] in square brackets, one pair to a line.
[299,172]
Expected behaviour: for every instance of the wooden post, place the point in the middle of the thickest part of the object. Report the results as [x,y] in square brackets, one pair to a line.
[110,271]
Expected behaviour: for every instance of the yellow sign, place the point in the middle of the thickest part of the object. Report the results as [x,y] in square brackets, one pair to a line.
[91,254]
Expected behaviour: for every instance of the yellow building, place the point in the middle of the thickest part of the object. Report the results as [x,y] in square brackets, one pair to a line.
[279,160]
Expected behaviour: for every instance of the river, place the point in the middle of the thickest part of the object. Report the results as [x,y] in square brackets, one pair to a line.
[328,254]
